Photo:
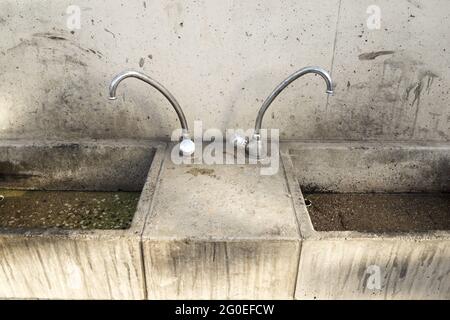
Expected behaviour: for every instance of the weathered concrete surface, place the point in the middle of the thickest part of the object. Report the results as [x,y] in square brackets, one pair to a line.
[392,82]
[70,266]
[220,232]
[221,269]
[346,264]
[371,167]
[105,165]
[76,264]
[409,267]
[224,231]
[221,59]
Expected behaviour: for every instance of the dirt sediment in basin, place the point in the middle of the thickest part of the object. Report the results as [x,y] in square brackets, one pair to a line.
[67,209]
[379,212]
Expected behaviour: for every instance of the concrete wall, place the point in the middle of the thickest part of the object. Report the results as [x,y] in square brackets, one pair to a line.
[370,166]
[83,165]
[221,59]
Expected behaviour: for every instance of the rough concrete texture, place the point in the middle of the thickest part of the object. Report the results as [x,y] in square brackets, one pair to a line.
[349,265]
[212,55]
[77,264]
[371,167]
[221,202]
[393,83]
[218,232]
[221,59]
[241,269]
[221,232]
[75,165]
[408,268]
[70,266]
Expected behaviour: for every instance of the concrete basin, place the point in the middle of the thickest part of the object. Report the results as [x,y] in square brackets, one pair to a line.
[221,232]
[74,259]
[376,220]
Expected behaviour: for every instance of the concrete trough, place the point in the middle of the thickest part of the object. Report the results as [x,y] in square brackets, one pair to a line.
[349,264]
[58,263]
[224,231]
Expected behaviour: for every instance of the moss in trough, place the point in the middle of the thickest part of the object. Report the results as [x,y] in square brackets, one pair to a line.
[67,209]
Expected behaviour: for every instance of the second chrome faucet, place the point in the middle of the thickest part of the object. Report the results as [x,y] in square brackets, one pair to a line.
[254,145]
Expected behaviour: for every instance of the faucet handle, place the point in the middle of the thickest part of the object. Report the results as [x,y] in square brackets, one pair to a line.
[238,140]
[187,146]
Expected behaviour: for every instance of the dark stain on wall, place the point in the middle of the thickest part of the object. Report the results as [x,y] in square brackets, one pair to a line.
[10,172]
[374,54]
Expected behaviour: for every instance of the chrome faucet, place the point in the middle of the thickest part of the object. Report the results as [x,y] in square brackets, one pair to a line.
[187,146]
[254,145]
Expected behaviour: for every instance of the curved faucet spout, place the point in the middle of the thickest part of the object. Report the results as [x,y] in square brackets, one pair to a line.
[284,84]
[135,74]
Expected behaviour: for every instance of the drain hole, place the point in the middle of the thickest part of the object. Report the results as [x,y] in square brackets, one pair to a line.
[2,197]
[308,203]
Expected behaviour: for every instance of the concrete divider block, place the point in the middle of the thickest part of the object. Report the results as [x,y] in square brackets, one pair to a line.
[221,232]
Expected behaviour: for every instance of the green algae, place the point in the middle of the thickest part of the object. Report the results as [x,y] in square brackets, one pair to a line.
[67,209]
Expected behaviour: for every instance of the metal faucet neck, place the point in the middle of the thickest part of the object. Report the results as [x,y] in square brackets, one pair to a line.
[287,82]
[138,75]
